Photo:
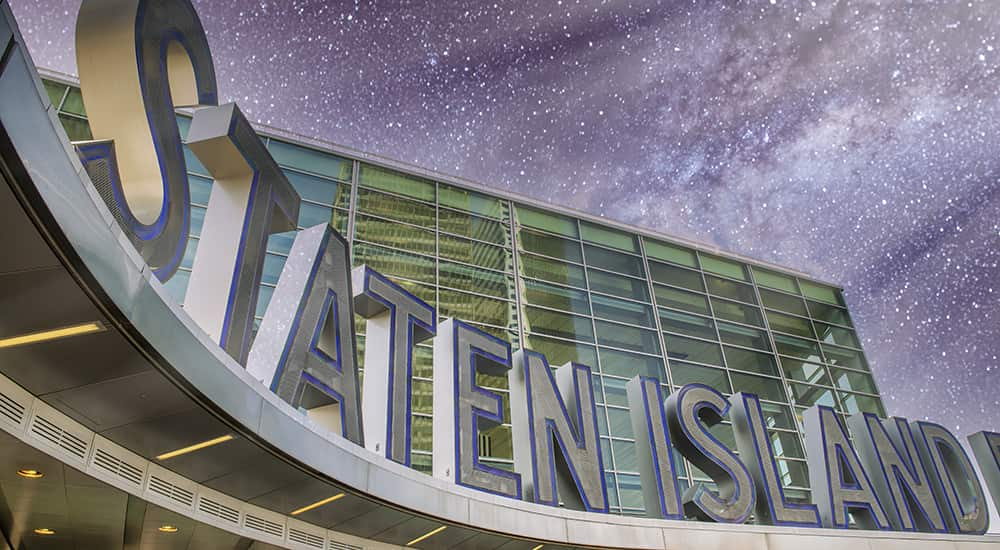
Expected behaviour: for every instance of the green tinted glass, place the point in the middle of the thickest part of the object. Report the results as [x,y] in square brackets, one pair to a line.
[475,308]
[773,279]
[685,373]
[556,297]
[789,324]
[783,302]
[853,381]
[797,347]
[379,231]
[623,311]
[676,276]
[475,252]
[546,221]
[829,313]
[74,103]
[474,227]
[552,270]
[550,245]
[310,160]
[724,267]
[76,129]
[615,262]
[55,92]
[807,396]
[609,237]
[796,369]
[843,357]
[630,338]
[619,285]
[324,191]
[470,201]
[688,325]
[744,336]
[627,365]
[854,404]
[837,335]
[670,253]
[393,262]
[473,279]
[735,311]
[554,323]
[765,388]
[689,349]
[681,299]
[395,208]
[822,293]
[396,182]
[558,352]
[730,289]
[785,444]
[752,361]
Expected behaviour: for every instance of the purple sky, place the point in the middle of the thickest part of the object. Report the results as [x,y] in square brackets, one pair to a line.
[857,141]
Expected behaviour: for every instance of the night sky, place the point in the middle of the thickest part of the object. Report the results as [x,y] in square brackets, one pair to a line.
[857,141]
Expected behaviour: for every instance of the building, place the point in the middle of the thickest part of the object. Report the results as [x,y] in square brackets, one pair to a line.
[623,300]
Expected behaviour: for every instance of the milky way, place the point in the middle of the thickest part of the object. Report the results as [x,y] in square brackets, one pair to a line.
[856,141]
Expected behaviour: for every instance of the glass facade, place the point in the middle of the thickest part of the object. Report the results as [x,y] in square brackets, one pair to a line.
[576,290]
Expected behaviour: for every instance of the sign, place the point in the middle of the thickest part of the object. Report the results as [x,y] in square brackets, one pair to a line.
[140,59]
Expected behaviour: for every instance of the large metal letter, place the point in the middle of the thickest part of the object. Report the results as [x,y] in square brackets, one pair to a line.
[690,410]
[250,200]
[956,485]
[462,408]
[397,320]
[986,448]
[306,349]
[898,475]
[539,410]
[754,445]
[838,480]
[660,491]
[138,59]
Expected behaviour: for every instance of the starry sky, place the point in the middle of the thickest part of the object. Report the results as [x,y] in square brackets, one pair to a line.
[854,140]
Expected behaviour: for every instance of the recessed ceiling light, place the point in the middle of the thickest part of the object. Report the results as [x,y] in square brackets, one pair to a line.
[30,474]
[195,447]
[44,531]
[539,547]
[318,504]
[54,334]
[168,529]
[427,535]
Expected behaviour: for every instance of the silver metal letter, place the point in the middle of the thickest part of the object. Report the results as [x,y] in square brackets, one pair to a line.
[953,478]
[397,320]
[539,410]
[839,482]
[690,411]
[898,474]
[986,448]
[660,491]
[138,60]
[754,444]
[251,199]
[306,349]
[462,408]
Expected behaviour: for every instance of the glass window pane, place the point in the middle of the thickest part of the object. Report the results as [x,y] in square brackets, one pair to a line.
[74,103]
[620,423]
[676,276]
[630,488]
[843,357]
[556,297]
[319,190]
[853,381]
[783,302]
[395,208]
[735,311]
[822,293]
[766,388]
[552,270]
[620,336]
[670,253]
[685,373]
[197,220]
[558,352]
[777,416]
[773,279]
[465,277]
[836,335]
[339,220]
[379,231]
[724,266]
[854,404]
[281,242]
[473,227]
[393,262]
[550,245]
[396,182]
[310,160]
[793,474]
[796,369]
[426,293]
[797,347]
[622,311]
[474,308]
[76,129]
[752,361]
[187,261]
[614,390]
[553,323]
[681,299]
[193,164]
[626,459]
[807,396]
[55,92]
[730,289]
[546,221]
[272,269]
[201,189]
[609,237]
[627,365]
[614,262]
[689,349]
[471,201]
[177,285]
[786,444]
[789,324]
[619,285]
[689,325]
[744,336]
[829,313]
[263,299]
[422,392]
[311,215]
[475,252]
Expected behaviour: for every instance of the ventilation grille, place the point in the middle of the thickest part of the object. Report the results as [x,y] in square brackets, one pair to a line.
[218,510]
[117,467]
[264,526]
[169,491]
[11,410]
[305,539]
[48,431]
[334,545]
